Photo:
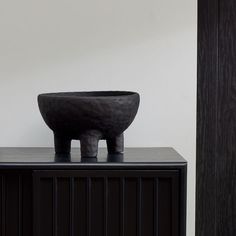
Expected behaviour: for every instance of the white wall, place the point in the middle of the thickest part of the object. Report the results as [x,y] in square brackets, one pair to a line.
[147,46]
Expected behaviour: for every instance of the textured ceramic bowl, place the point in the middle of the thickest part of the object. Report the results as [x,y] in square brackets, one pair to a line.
[89,117]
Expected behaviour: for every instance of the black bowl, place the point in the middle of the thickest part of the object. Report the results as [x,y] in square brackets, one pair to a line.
[89,117]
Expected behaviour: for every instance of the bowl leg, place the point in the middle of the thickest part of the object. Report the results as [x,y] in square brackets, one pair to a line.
[116,144]
[89,143]
[62,144]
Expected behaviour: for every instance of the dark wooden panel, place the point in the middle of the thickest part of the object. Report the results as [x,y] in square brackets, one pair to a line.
[114,207]
[12,205]
[175,205]
[226,148]
[216,163]
[15,204]
[130,206]
[63,207]
[80,209]
[207,99]
[45,219]
[26,202]
[108,203]
[90,200]
[148,206]
[165,207]
[97,207]
[3,206]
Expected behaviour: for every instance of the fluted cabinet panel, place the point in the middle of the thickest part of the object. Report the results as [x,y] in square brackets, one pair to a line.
[16,204]
[106,203]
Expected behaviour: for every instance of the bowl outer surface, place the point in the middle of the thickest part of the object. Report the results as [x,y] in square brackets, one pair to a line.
[72,115]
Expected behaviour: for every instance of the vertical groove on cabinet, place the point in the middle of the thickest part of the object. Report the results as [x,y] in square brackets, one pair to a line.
[55,206]
[120,204]
[72,205]
[122,215]
[97,206]
[89,206]
[165,207]
[175,205]
[20,215]
[171,207]
[156,183]
[131,201]
[80,209]
[139,206]
[12,205]
[105,204]
[114,207]
[27,204]
[36,203]
[148,207]
[63,207]
[46,201]
[1,205]
[3,181]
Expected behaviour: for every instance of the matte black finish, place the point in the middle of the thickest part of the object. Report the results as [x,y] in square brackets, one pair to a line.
[128,198]
[89,117]
[216,152]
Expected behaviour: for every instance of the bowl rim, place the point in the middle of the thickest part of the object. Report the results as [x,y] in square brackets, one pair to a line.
[90,94]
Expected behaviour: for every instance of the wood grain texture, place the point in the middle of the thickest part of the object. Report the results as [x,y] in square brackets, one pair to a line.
[226,148]
[207,117]
[216,136]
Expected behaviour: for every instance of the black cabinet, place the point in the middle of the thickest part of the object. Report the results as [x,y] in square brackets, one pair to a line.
[140,194]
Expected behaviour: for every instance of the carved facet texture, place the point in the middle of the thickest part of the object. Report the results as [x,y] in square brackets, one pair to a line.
[89,117]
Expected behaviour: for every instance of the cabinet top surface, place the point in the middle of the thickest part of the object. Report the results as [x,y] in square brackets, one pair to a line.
[28,157]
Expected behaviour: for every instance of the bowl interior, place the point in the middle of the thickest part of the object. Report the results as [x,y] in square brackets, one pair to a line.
[91,94]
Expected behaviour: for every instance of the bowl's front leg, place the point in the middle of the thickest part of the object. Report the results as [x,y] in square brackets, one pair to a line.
[115,144]
[62,144]
[89,143]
